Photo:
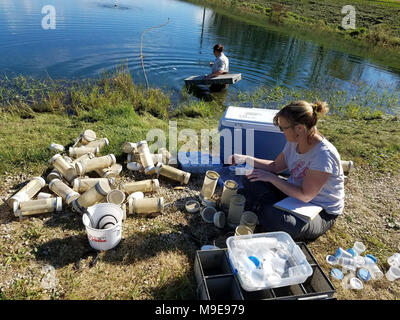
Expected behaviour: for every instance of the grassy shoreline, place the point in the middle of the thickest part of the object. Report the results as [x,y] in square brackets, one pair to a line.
[377,33]
[155,258]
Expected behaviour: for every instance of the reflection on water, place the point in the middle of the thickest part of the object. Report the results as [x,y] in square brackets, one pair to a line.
[94,36]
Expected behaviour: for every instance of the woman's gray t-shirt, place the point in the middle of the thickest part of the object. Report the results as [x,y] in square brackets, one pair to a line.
[322,157]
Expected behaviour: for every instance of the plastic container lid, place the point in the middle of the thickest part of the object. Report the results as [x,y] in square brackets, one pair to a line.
[59,204]
[337,274]
[208,214]
[363,274]
[102,187]
[219,219]
[372,257]
[71,197]
[192,206]
[56,147]
[134,166]
[356,284]
[352,252]
[209,247]
[136,195]
[89,135]
[116,196]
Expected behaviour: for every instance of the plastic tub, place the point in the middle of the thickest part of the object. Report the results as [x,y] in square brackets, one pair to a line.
[282,260]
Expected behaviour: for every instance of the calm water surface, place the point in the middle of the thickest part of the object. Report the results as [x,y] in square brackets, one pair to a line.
[93,35]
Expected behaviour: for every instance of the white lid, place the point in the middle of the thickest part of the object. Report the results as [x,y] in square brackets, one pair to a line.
[56,147]
[59,204]
[187,177]
[134,166]
[250,118]
[356,283]
[102,187]
[54,158]
[79,168]
[136,195]
[113,159]
[161,203]
[156,184]
[53,182]
[89,135]
[116,196]
[71,197]
[189,208]
[75,184]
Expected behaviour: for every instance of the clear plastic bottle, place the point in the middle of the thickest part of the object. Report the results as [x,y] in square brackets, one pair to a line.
[92,196]
[236,208]
[146,205]
[89,165]
[249,219]
[65,168]
[32,207]
[358,247]
[27,192]
[63,191]
[209,184]
[80,151]
[82,185]
[149,185]
[394,260]
[372,267]
[146,158]
[173,173]
[111,172]
[348,263]
[101,143]
[230,189]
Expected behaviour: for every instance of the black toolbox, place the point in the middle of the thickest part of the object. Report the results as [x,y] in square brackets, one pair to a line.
[216,280]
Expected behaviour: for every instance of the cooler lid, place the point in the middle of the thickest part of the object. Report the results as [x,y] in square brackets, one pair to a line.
[250,118]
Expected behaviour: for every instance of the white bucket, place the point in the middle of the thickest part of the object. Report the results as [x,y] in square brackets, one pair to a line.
[103,239]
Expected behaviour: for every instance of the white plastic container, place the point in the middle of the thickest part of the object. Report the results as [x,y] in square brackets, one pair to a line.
[393,273]
[103,239]
[267,248]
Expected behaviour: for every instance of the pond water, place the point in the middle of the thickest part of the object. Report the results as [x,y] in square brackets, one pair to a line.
[92,36]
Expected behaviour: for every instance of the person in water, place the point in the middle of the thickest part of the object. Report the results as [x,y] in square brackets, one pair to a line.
[218,67]
[316,175]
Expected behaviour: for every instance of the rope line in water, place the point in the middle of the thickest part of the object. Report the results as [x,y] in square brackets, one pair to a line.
[141,48]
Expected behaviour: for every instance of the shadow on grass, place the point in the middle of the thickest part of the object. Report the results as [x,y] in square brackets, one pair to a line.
[61,252]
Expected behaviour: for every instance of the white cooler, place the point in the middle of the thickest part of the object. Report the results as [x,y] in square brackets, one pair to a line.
[250,131]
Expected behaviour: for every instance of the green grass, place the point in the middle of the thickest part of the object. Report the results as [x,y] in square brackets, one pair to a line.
[117,109]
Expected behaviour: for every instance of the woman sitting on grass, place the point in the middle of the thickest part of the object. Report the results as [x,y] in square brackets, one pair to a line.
[316,175]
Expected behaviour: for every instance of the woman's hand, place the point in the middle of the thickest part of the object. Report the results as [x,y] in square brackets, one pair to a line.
[237,159]
[261,175]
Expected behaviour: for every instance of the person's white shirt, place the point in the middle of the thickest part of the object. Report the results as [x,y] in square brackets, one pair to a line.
[221,64]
